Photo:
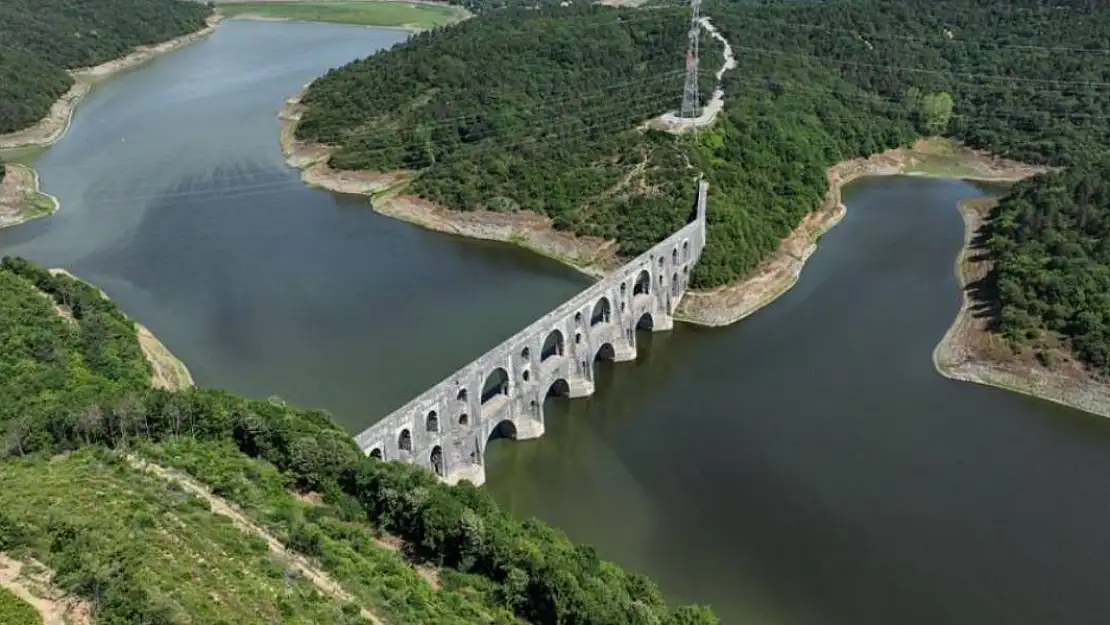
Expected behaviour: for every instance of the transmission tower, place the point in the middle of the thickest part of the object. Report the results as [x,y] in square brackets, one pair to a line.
[690,90]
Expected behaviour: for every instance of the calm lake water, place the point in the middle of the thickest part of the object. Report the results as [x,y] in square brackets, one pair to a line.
[807,466]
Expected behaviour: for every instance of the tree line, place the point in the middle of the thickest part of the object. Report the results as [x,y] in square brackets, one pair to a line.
[540,109]
[67,386]
[40,39]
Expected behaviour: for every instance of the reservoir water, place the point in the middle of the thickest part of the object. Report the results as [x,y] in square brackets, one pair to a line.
[807,466]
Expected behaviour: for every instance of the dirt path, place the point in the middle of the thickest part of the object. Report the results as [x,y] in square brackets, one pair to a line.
[322,580]
[52,604]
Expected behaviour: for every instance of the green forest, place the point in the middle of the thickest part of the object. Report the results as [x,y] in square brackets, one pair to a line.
[541,109]
[40,39]
[75,382]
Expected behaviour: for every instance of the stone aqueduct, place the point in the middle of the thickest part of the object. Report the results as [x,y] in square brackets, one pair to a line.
[446,428]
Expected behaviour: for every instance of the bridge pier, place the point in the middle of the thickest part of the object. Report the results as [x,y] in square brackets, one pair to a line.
[501,394]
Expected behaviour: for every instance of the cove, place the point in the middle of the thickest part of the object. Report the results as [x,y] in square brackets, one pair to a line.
[809,465]
[805,466]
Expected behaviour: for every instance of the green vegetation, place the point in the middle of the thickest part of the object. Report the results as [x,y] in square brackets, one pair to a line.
[15,611]
[537,109]
[368,12]
[1052,262]
[75,391]
[39,39]
[148,551]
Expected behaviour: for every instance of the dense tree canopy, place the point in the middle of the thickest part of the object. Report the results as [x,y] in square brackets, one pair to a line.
[39,39]
[540,109]
[73,375]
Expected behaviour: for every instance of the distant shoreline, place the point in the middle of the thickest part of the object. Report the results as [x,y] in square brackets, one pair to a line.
[50,129]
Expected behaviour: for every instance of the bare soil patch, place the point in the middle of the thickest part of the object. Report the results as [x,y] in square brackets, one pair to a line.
[20,198]
[972,350]
[34,585]
[729,304]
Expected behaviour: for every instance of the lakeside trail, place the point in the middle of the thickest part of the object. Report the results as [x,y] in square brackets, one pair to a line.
[167,372]
[31,582]
[971,352]
[54,126]
[21,200]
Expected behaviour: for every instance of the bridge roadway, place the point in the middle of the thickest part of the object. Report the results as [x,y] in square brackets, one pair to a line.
[446,428]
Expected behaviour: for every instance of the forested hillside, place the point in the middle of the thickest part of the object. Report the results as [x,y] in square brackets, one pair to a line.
[527,110]
[1050,239]
[74,380]
[39,39]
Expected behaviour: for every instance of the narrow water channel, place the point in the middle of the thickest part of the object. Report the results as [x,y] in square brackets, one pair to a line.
[807,466]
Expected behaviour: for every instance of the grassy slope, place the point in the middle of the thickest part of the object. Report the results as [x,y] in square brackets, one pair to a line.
[15,611]
[366,12]
[89,512]
[346,547]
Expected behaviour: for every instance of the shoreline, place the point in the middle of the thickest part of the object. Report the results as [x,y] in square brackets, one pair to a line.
[780,272]
[252,17]
[718,307]
[50,129]
[166,370]
[593,257]
[970,352]
[20,195]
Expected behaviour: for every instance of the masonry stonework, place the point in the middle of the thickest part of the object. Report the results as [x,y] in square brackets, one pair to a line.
[446,428]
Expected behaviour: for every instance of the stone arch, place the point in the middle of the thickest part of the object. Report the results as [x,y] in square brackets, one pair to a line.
[404,440]
[431,423]
[602,311]
[674,255]
[436,460]
[624,288]
[674,284]
[496,385]
[525,375]
[559,388]
[504,429]
[645,322]
[685,250]
[606,352]
[526,353]
[661,262]
[464,419]
[578,317]
[376,453]
[462,394]
[643,283]
[553,345]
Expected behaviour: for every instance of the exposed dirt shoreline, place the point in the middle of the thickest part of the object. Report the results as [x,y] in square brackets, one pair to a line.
[21,200]
[729,304]
[54,126]
[596,257]
[167,372]
[971,352]
[592,256]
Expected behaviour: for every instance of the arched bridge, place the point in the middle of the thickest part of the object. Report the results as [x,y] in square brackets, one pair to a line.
[447,427]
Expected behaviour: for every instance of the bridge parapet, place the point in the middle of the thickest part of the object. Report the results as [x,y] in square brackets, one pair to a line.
[447,427]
